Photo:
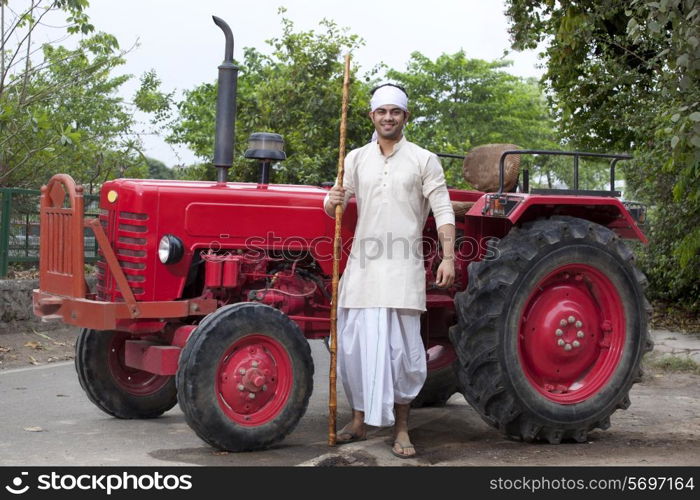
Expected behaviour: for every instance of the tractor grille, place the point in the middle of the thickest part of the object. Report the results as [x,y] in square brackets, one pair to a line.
[126,232]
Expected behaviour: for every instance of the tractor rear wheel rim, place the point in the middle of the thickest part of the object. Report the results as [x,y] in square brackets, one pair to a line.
[254,380]
[132,380]
[440,354]
[572,334]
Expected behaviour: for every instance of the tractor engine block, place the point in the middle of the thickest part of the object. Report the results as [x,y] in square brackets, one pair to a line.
[259,277]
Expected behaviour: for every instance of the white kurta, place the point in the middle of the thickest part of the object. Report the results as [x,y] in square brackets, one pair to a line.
[381,357]
[395,194]
[381,360]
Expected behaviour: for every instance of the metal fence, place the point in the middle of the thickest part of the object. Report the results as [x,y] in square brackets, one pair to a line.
[19,227]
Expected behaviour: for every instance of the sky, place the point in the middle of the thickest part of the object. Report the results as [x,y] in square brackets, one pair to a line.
[179,40]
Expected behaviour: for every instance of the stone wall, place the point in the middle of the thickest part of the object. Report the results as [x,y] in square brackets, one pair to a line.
[16,299]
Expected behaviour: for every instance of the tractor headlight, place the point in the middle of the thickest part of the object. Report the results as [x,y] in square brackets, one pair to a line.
[170,249]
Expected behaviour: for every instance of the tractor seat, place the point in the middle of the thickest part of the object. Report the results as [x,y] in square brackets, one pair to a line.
[480,167]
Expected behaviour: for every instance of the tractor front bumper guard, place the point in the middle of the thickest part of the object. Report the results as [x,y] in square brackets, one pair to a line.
[62,292]
[99,315]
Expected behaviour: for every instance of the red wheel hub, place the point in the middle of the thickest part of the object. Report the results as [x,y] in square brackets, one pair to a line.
[253,380]
[571,334]
[440,354]
[131,380]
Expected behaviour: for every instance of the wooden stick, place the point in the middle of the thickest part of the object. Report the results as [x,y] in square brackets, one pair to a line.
[332,406]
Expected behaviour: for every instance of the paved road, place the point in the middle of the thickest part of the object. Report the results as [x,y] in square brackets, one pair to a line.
[74,432]
[45,419]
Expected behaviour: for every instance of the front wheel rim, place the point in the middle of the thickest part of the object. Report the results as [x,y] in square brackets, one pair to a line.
[572,334]
[132,380]
[254,379]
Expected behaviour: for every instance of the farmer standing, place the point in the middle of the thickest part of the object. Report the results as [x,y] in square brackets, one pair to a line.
[381,360]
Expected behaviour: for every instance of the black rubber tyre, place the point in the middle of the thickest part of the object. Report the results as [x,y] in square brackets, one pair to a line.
[492,336]
[118,390]
[440,385]
[231,340]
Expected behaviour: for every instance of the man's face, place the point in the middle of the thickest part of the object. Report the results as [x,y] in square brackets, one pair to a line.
[389,121]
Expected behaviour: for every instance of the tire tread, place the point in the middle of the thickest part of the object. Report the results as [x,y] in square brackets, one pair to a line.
[481,378]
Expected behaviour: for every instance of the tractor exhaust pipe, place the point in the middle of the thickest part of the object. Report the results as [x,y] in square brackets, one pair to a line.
[225,108]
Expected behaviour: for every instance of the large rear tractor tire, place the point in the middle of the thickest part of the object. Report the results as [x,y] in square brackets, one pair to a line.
[245,377]
[115,388]
[551,332]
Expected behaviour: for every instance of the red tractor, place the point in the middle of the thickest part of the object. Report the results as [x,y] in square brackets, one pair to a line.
[207,293]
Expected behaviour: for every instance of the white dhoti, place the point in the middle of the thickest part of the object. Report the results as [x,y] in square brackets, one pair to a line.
[381,359]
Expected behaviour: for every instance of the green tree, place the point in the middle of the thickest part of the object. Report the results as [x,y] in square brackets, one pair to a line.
[158,170]
[625,76]
[294,91]
[459,103]
[58,107]
[456,103]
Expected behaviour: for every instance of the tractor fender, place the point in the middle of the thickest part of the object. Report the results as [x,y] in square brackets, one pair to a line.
[606,211]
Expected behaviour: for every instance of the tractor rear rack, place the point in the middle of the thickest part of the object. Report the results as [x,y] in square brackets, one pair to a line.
[614,158]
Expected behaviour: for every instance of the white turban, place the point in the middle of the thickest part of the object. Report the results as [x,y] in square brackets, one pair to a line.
[389,95]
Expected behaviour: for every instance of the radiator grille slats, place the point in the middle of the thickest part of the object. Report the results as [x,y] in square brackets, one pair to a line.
[126,232]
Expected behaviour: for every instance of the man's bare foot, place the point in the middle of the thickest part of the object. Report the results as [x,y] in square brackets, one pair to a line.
[355,430]
[402,447]
[348,435]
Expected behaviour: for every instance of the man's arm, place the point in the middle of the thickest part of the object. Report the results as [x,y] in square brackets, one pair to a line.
[435,190]
[335,197]
[337,194]
[445,277]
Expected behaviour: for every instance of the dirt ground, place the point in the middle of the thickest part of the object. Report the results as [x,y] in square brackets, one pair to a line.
[24,344]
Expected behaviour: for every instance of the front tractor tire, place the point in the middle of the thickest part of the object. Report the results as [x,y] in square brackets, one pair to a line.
[245,377]
[551,332]
[115,388]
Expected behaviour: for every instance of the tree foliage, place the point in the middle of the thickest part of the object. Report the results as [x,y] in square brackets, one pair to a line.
[625,76]
[459,103]
[158,170]
[294,91]
[59,110]
[456,103]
